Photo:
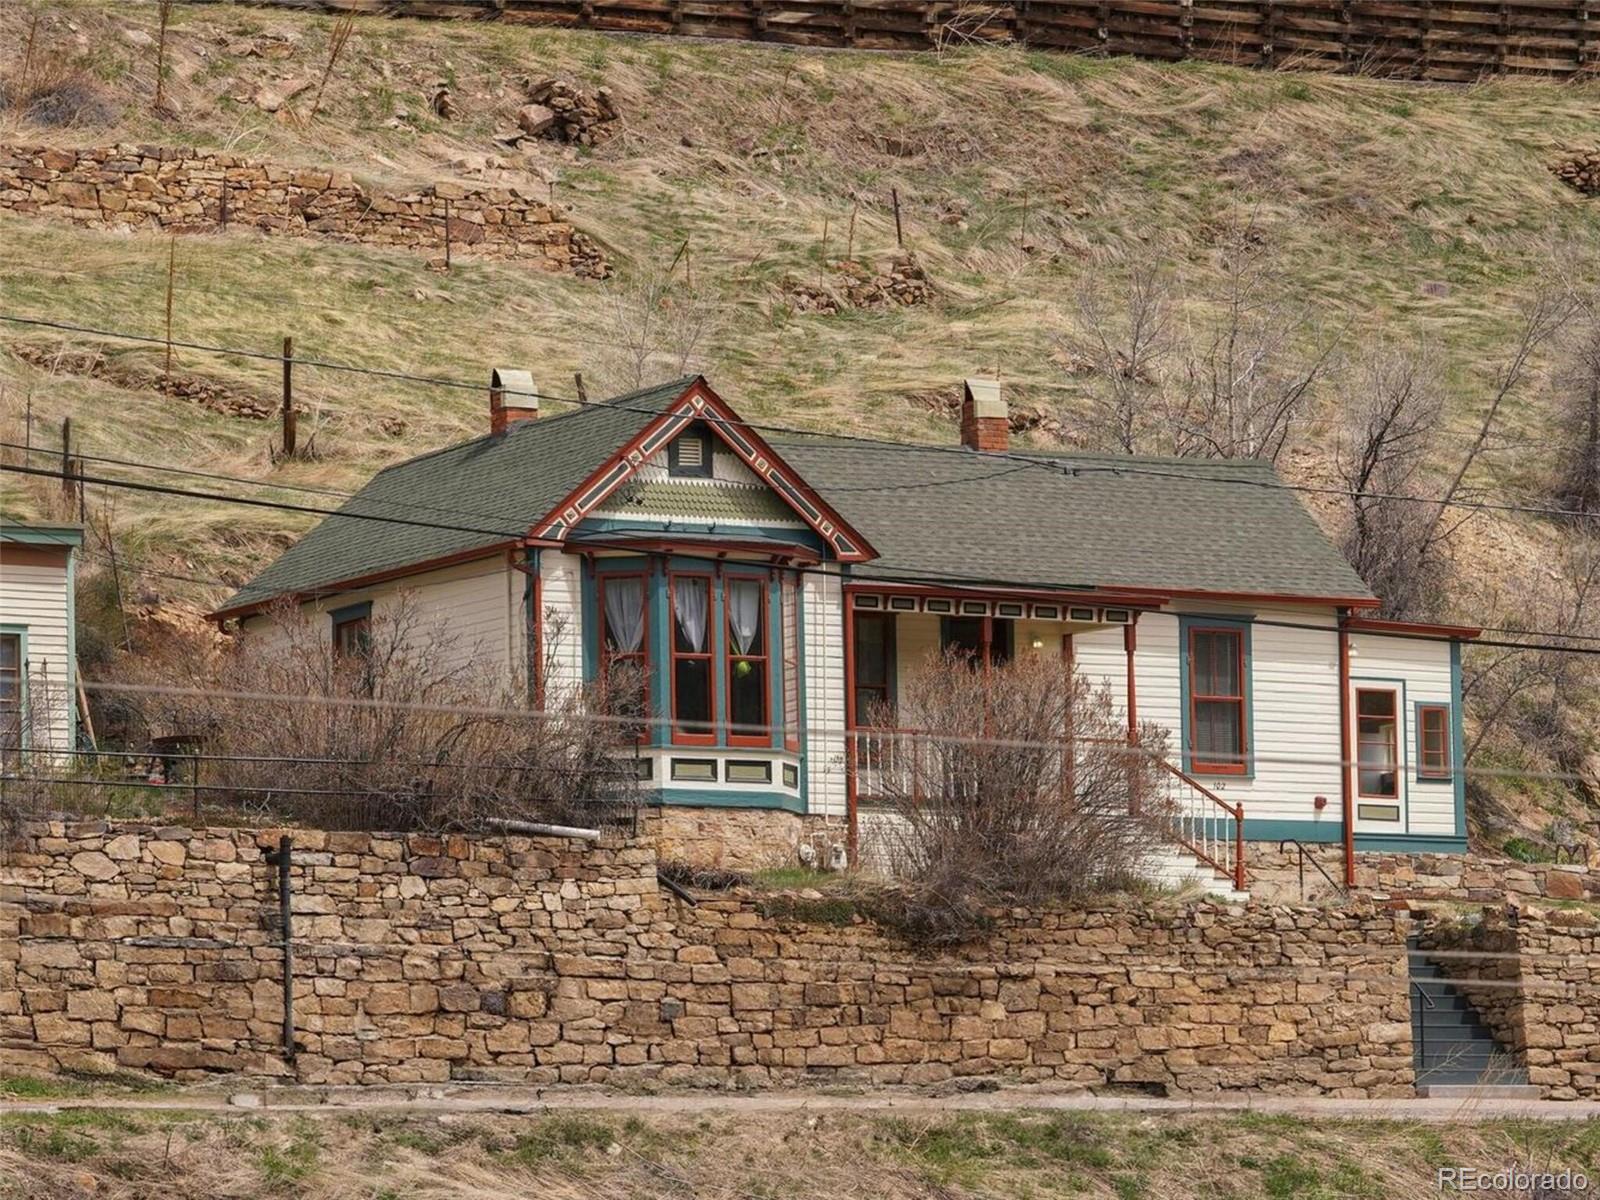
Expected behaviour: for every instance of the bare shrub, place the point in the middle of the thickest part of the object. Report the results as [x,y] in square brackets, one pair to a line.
[1577,423]
[408,730]
[652,326]
[1227,374]
[1018,785]
[51,88]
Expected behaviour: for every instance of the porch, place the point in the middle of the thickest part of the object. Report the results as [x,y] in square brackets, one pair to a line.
[889,632]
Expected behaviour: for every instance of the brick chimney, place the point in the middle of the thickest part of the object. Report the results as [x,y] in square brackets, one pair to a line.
[985,420]
[525,406]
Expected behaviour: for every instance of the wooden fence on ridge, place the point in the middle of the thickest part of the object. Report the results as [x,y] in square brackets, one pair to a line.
[1446,40]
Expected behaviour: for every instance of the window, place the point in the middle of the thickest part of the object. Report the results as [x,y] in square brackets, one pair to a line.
[624,645]
[874,668]
[1433,741]
[689,455]
[10,698]
[352,636]
[965,635]
[789,614]
[1217,740]
[746,604]
[691,659]
[1377,743]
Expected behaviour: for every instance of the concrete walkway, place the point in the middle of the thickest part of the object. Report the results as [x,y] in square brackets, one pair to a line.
[503,1099]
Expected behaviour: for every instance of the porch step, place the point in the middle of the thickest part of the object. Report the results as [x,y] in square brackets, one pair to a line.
[1176,867]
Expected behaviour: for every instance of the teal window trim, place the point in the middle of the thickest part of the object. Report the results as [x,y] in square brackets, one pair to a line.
[72,650]
[1191,621]
[775,649]
[1458,741]
[532,625]
[800,664]
[350,612]
[20,632]
[660,633]
[1447,779]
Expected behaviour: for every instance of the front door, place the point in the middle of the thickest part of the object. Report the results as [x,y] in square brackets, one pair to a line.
[1377,717]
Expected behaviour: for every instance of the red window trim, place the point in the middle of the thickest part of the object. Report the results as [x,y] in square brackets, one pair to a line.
[1394,743]
[1445,769]
[681,737]
[764,644]
[789,602]
[643,653]
[1198,765]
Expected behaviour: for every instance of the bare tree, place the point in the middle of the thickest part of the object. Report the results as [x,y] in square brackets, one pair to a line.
[1233,379]
[1015,784]
[652,327]
[1577,425]
[1391,406]
[1122,340]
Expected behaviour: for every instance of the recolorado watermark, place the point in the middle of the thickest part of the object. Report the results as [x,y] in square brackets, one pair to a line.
[1514,1181]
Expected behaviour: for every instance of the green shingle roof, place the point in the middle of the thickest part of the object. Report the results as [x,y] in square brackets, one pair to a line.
[1075,519]
[494,487]
[702,501]
[933,513]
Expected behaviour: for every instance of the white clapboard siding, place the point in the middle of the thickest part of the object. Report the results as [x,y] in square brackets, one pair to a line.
[1420,668]
[561,599]
[36,598]
[824,746]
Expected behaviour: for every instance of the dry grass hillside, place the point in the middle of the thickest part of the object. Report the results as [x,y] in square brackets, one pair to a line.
[1394,213]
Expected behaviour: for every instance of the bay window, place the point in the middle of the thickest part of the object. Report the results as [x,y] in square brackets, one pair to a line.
[789,609]
[624,644]
[746,604]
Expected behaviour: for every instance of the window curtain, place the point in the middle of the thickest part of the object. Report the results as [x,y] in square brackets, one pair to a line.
[744,612]
[689,603]
[625,614]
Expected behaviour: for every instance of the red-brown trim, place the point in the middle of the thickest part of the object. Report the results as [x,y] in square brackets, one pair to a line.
[1397,738]
[356,582]
[1163,595]
[764,738]
[1421,628]
[1064,598]
[15,554]
[1196,765]
[1346,784]
[1130,647]
[698,401]
[678,736]
[1423,771]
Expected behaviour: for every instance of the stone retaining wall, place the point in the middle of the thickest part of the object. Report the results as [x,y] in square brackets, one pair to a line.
[1275,876]
[186,191]
[421,958]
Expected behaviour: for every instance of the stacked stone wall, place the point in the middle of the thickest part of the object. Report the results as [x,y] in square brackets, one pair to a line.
[1275,876]
[187,191]
[425,959]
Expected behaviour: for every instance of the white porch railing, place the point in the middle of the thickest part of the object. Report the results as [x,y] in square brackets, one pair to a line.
[897,765]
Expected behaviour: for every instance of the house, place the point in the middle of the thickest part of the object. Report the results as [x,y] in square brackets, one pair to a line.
[775,588]
[38,653]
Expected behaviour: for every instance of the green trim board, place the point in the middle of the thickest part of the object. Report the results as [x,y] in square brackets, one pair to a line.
[1330,831]
[42,535]
[1458,741]
[804,742]
[20,632]
[72,651]
[1186,622]
[645,526]
[725,798]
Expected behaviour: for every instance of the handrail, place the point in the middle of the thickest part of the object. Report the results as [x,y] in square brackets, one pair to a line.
[1235,812]
[1321,870]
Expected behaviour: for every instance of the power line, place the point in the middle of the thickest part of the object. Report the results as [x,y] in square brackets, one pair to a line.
[1056,464]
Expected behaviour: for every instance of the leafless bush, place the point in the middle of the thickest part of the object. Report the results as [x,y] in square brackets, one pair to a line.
[410,730]
[1222,375]
[36,750]
[1019,785]
[1577,424]
[652,326]
[51,88]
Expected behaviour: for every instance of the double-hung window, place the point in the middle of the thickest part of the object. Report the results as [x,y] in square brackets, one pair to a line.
[789,614]
[11,667]
[1433,741]
[691,660]
[1217,721]
[1378,743]
[625,645]
[745,600]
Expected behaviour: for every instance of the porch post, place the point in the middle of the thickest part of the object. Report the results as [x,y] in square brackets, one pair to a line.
[853,836]
[1346,792]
